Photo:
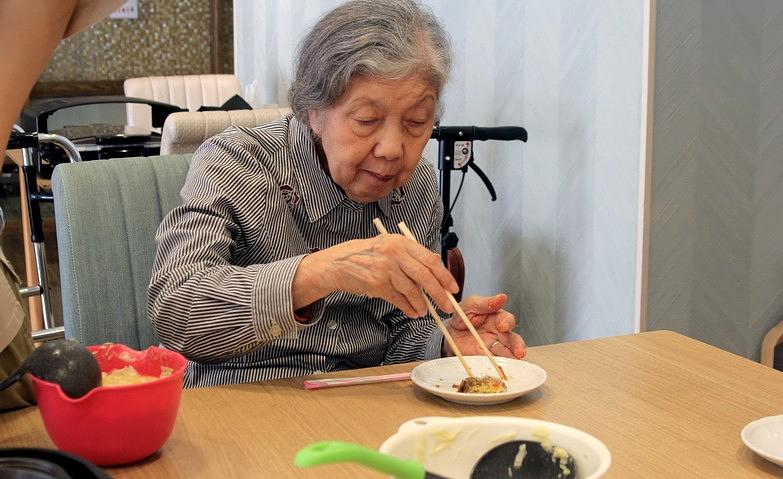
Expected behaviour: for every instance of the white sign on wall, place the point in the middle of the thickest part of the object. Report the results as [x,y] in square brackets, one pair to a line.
[129,9]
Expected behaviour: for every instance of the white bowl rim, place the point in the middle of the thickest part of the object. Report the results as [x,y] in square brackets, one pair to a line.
[745,434]
[411,426]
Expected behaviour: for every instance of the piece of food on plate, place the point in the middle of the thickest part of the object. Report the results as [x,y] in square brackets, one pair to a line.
[483,385]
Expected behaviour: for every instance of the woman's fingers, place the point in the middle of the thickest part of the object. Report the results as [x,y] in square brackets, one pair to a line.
[403,304]
[422,276]
[427,270]
[483,304]
[496,330]
[458,324]
[406,288]
[505,322]
[421,269]
[517,346]
[498,347]
[394,268]
[433,263]
[509,345]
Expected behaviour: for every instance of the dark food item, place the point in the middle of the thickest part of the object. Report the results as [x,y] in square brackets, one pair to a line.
[483,385]
[65,362]
[525,459]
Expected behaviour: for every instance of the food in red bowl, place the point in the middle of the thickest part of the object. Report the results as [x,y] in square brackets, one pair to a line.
[119,424]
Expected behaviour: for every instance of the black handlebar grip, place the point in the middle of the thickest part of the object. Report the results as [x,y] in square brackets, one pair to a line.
[22,140]
[477,133]
[503,133]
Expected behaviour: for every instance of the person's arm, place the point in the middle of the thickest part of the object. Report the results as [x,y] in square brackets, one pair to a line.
[29,34]
[88,12]
[200,303]
[391,266]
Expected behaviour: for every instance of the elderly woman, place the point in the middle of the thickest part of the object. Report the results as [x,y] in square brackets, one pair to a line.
[272,266]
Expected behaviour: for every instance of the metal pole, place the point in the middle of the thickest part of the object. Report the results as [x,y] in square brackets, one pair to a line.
[445,165]
[29,291]
[43,280]
[49,334]
[62,142]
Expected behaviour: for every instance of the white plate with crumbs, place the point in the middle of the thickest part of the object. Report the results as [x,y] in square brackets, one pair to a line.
[442,377]
[765,437]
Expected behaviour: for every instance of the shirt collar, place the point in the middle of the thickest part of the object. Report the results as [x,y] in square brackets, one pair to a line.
[319,193]
[385,204]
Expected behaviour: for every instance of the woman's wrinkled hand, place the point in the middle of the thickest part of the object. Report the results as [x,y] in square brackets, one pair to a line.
[387,266]
[494,325]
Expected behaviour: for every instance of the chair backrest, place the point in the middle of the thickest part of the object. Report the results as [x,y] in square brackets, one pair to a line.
[456,265]
[107,213]
[769,343]
[185,91]
[184,132]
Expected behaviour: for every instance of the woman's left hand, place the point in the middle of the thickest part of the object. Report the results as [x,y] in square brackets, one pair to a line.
[494,325]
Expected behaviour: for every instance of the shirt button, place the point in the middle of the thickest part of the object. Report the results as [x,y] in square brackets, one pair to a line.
[276,330]
[318,371]
[331,325]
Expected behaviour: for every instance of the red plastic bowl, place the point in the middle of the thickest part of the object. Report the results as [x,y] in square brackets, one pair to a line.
[119,424]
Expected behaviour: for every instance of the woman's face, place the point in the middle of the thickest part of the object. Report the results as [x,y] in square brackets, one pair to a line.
[374,135]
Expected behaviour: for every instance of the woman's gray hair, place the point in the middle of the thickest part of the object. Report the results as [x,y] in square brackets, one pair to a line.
[389,39]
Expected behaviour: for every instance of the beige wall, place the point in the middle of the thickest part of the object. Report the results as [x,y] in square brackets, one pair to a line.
[716,235]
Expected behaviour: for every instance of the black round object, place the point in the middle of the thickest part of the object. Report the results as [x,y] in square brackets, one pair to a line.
[30,468]
[67,363]
[32,463]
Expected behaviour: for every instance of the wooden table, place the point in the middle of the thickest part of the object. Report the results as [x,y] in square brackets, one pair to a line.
[666,406]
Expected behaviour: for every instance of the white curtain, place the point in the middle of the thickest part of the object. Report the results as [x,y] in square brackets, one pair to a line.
[561,239]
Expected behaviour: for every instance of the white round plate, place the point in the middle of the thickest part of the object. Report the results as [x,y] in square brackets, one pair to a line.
[440,376]
[765,437]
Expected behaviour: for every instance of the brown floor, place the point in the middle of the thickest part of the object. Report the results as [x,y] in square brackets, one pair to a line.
[13,247]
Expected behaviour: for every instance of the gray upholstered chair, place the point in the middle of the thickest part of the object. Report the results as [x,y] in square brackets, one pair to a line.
[106,214]
[185,131]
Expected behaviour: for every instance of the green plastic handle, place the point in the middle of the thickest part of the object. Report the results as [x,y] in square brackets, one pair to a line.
[331,452]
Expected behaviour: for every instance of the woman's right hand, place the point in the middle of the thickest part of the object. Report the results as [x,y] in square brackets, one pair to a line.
[387,266]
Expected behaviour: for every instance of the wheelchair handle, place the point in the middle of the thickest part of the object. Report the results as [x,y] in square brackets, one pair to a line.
[479,133]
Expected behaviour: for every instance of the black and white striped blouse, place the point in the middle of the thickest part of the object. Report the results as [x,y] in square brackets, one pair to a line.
[255,202]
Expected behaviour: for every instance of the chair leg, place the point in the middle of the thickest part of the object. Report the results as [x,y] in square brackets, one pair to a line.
[43,281]
[34,197]
[33,304]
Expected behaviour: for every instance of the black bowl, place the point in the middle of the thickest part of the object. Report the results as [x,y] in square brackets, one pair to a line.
[29,463]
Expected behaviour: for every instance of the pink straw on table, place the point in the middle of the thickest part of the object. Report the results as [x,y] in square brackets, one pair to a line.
[330,383]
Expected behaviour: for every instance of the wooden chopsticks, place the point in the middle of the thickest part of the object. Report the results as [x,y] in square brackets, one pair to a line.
[405,231]
[382,230]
